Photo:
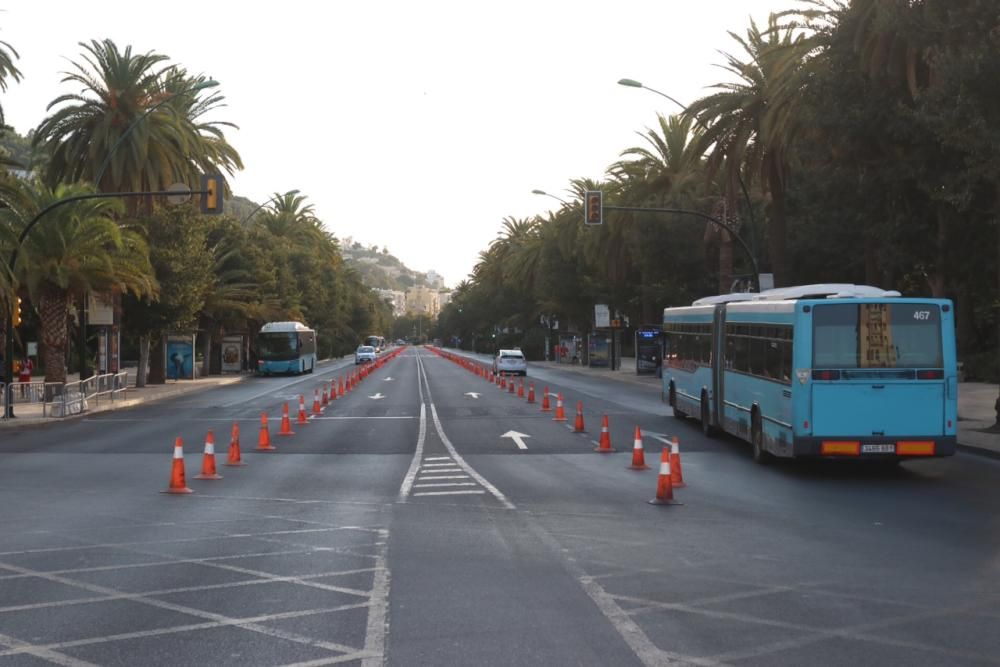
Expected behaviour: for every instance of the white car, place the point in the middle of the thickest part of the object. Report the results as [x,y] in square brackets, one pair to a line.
[364,354]
[510,362]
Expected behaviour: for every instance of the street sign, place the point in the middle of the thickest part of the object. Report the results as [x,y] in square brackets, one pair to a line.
[602,316]
[182,196]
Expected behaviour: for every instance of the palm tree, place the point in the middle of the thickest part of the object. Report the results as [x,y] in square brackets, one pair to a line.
[76,248]
[7,69]
[119,88]
[751,123]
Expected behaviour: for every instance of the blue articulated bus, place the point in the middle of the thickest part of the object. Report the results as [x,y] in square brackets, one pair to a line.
[286,347]
[835,371]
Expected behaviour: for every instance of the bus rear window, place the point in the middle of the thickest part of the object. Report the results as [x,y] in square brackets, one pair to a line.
[877,335]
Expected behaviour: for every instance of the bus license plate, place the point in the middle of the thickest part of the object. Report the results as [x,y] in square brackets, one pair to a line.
[878,449]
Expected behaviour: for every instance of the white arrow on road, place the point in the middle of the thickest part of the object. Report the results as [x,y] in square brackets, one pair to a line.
[387,380]
[377,397]
[473,394]
[517,438]
[662,437]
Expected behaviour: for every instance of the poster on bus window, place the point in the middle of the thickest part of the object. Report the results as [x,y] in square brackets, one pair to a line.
[180,356]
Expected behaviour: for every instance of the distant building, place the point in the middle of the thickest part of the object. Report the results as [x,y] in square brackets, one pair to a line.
[396,297]
[444,298]
[435,279]
[421,300]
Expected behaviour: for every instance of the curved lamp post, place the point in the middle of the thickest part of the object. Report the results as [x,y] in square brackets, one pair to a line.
[252,213]
[632,83]
[546,194]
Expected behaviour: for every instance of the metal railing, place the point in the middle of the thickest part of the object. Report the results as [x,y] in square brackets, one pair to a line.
[62,399]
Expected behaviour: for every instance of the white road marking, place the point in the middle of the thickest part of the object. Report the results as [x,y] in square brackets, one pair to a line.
[473,394]
[419,486]
[427,477]
[438,458]
[435,465]
[450,493]
[377,397]
[404,490]
[518,438]
[378,618]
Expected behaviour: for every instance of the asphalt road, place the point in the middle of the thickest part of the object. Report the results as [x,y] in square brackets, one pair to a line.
[401,527]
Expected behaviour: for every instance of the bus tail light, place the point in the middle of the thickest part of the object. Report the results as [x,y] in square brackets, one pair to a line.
[915,448]
[826,375]
[840,448]
[930,375]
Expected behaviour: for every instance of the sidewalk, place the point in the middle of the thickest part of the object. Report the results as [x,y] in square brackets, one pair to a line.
[976,400]
[31,413]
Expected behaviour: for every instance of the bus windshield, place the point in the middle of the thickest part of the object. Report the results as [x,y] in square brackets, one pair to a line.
[877,335]
[279,346]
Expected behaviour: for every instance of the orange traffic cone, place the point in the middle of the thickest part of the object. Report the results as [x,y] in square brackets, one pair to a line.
[604,446]
[235,456]
[302,419]
[208,460]
[317,408]
[531,392]
[333,390]
[340,387]
[560,411]
[325,397]
[664,488]
[638,454]
[545,400]
[264,439]
[578,424]
[503,382]
[286,422]
[676,477]
[177,481]
[510,386]
[520,390]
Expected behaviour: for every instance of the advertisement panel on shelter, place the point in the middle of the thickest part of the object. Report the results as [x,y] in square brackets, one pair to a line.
[600,346]
[180,356]
[232,354]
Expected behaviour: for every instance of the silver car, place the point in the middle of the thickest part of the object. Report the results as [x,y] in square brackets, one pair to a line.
[510,362]
[364,354]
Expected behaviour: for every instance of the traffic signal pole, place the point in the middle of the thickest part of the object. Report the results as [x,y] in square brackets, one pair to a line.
[212,195]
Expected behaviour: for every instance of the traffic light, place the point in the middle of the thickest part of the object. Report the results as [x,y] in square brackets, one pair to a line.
[593,207]
[212,189]
[17,313]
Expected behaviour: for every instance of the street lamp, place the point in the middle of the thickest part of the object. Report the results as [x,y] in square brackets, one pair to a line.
[291,193]
[546,194]
[632,83]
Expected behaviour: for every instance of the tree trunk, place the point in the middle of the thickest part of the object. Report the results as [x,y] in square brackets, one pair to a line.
[206,352]
[777,227]
[141,372]
[53,307]
[872,272]
[725,262]
[157,363]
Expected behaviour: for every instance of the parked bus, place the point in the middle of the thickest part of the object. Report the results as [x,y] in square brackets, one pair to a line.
[286,347]
[378,342]
[832,371]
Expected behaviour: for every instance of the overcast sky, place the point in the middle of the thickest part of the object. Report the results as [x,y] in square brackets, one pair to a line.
[417,125]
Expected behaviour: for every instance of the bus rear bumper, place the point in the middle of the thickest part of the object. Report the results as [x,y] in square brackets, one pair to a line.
[915,447]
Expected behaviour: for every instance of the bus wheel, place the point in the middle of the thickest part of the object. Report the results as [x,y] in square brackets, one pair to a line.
[672,401]
[760,455]
[706,417]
